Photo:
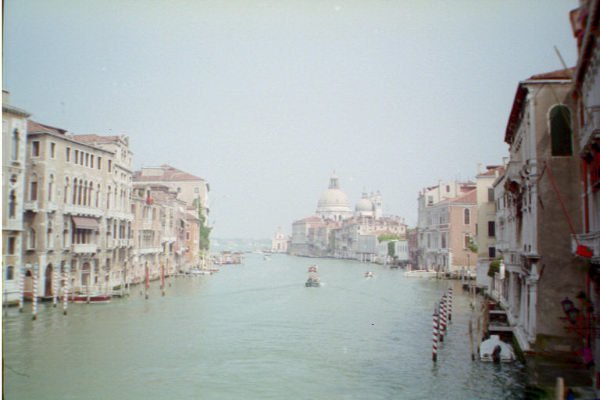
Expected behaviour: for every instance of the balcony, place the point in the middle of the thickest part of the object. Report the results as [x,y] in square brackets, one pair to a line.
[589,240]
[85,248]
[82,210]
[148,250]
[31,206]
[591,126]
[119,215]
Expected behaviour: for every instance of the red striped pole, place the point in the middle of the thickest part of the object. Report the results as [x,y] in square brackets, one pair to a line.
[443,320]
[54,286]
[435,333]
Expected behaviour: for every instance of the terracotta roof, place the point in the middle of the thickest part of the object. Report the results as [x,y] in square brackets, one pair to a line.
[516,112]
[470,197]
[36,127]
[491,170]
[169,174]
[95,138]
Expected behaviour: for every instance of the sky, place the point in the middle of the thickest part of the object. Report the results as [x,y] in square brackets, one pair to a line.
[266,99]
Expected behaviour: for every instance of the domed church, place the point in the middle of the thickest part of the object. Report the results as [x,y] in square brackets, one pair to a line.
[333,204]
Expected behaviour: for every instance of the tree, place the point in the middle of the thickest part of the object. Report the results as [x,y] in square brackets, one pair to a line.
[204,228]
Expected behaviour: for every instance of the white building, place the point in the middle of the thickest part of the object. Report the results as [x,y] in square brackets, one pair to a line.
[14,144]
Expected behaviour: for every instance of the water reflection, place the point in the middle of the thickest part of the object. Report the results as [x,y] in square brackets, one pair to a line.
[255,332]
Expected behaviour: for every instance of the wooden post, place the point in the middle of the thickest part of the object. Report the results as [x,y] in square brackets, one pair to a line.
[442,316]
[471,339]
[560,388]
[65,288]
[147,282]
[34,305]
[162,279]
[436,327]
[22,273]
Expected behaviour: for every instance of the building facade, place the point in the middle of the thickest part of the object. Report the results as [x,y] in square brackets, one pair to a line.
[14,145]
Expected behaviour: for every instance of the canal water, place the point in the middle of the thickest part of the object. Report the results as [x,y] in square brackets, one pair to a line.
[253,331]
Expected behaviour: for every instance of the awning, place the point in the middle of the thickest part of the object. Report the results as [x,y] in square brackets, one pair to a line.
[85,223]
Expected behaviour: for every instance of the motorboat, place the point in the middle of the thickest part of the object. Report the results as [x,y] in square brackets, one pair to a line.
[495,350]
[95,298]
[420,273]
[368,274]
[313,279]
[197,271]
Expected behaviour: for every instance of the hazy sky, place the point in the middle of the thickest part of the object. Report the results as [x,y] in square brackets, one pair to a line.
[265,99]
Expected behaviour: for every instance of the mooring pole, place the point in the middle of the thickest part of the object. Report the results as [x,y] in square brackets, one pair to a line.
[436,326]
[34,292]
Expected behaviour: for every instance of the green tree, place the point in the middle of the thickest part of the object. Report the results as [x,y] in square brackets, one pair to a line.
[204,228]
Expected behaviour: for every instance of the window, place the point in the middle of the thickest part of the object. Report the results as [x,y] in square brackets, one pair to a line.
[31,239]
[429,200]
[10,273]
[491,228]
[447,188]
[51,188]
[12,244]
[14,149]
[52,150]
[467,216]
[444,245]
[560,131]
[33,188]
[35,148]
[490,194]
[99,162]
[12,205]
[68,154]
[109,165]
[492,252]
[92,161]
[76,158]
[87,159]
[66,191]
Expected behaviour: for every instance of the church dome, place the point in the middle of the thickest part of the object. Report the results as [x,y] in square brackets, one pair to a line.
[334,202]
[364,205]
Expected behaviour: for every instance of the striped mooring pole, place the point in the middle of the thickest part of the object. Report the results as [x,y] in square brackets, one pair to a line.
[162,279]
[54,286]
[22,273]
[65,288]
[436,326]
[147,282]
[443,320]
[34,305]
[450,299]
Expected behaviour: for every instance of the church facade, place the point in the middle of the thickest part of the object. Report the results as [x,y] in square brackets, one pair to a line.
[336,230]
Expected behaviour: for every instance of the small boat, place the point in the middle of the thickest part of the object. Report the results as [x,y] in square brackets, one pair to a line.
[495,350]
[313,279]
[420,273]
[96,298]
[197,271]
[368,274]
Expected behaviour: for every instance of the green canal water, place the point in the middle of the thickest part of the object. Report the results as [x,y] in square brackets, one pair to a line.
[253,331]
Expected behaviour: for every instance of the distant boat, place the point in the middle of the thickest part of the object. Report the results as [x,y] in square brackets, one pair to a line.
[420,273]
[495,350]
[96,298]
[197,271]
[313,279]
[368,274]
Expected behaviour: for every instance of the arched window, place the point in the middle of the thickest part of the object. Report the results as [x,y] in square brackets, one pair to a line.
[98,196]
[31,239]
[33,188]
[66,194]
[10,273]
[560,131]
[14,145]
[74,202]
[108,198]
[12,204]
[467,216]
[51,188]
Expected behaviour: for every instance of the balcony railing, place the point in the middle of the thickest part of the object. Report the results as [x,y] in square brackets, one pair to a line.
[82,210]
[85,248]
[31,206]
[119,215]
[590,240]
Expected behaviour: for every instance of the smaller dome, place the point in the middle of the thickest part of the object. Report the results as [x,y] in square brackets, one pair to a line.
[364,205]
